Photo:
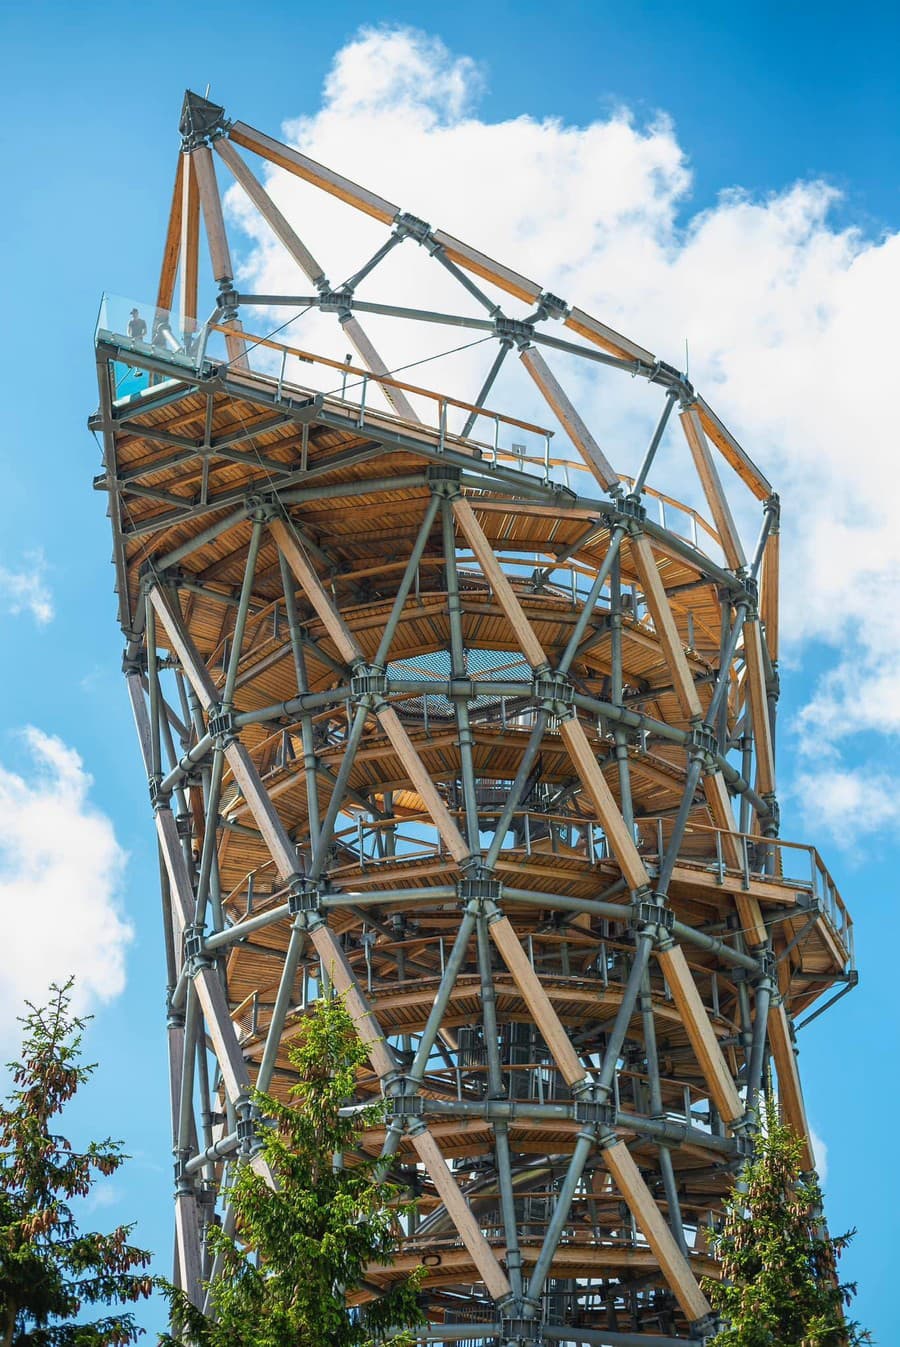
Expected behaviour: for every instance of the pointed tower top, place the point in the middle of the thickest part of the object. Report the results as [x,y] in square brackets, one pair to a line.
[200,121]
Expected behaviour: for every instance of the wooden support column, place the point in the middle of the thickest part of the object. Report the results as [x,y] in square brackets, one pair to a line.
[700,1032]
[790,1093]
[165,293]
[217,241]
[712,488]
[665,627]
[537,1000]
[189,263]
[642,1205]
[367,353]
[273,217]
[568,418]
[584,760]
[768,594]
[759,708]
[460,1213]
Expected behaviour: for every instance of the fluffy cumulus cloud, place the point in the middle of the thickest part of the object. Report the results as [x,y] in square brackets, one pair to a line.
[25,589]
[786,314]
[61,869]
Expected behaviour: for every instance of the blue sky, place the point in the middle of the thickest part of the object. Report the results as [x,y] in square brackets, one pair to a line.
[759,101]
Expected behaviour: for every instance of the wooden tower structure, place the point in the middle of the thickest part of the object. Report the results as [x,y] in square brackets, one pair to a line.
[438,707]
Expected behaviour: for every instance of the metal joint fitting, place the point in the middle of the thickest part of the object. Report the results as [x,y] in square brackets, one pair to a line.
[367,680]
[598,1113]
[772,822]
[411,227]
[551,306]
[336,301]
[201,122]
[246,1132]
[184,826]
[749,595]
[556,693]
[443,479]
[631,512]
[479,888]
[303,896]
[703,744]
[767,967]
[134,664]
[159,799]
[701,1330]
[651,916]
[516,1332]
[183,1182]
[227,302]
[194,950]
[516,333]
[220,720]
[407,1105]
[772,506]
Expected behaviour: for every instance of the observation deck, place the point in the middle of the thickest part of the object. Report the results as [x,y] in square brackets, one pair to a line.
[434,712]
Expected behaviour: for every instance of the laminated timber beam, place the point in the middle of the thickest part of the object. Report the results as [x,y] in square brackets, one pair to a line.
[165,291]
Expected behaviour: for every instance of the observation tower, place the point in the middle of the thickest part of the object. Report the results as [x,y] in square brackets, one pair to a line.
[439,706]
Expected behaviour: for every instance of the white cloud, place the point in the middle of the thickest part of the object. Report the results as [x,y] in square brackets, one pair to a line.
[820,1152]
[788,317]
[61,870]
[26,590]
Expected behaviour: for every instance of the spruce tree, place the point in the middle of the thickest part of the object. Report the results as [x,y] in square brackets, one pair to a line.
[299,1251]
[780,1286]
[50,1271]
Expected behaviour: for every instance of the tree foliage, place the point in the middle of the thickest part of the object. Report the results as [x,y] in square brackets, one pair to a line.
[299,1250]
[780,1286]
[49,1269]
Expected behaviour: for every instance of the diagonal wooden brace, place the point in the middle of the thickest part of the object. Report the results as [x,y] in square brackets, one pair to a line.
[642,1205]
[712,488]
[664,624]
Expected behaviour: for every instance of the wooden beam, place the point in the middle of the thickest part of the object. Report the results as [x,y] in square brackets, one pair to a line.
[320,176]
[273,217]
[568,418]
[367,353]
[189,264]
[460,1213]
[219,251]
[496,578]
[641,1203]
[537,1000]
[759,708]
[213,219]
[712,488]
[769,593]
[165,293]
[470,259]
[606,337]
[790,1094]
[588,769]
[347,645]
[732,452]
[665,627]
[700,1032]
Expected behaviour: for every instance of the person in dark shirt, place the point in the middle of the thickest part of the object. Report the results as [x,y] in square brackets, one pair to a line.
[137,328]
